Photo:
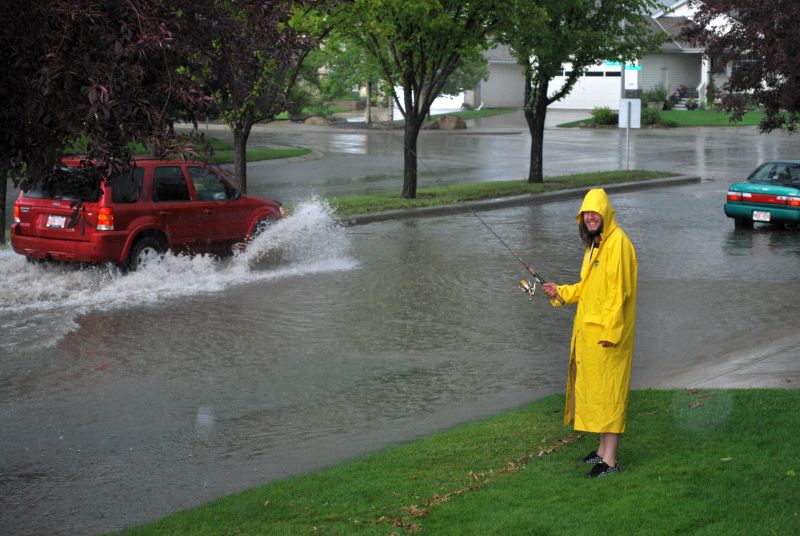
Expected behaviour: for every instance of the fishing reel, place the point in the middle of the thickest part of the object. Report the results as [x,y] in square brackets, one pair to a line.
[528,287]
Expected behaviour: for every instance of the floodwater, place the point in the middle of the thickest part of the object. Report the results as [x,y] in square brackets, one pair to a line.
[126,397]
[348,162]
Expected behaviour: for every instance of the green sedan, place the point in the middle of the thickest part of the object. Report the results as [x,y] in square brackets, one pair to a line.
[771,194]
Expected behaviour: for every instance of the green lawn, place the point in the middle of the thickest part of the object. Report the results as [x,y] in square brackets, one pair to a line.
[457,193]
[477,114]
[709,118]
[223,152]
[693,462]
[225,156]
[693,118]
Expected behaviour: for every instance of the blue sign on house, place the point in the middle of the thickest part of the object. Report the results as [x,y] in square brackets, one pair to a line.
[612,63]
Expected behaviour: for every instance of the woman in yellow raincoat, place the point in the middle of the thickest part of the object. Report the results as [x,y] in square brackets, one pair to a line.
[601,351]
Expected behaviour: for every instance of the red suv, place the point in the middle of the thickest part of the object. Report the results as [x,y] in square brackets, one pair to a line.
[162,204]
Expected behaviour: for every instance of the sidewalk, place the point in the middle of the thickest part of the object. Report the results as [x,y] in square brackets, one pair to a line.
[776,365]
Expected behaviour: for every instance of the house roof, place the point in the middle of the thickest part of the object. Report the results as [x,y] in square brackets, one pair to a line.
[499,54]
[669,6]
[673,26]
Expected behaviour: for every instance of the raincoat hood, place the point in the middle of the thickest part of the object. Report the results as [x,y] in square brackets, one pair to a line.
[596,200]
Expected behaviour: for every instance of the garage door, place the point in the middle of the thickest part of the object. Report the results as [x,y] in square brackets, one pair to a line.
[595,89]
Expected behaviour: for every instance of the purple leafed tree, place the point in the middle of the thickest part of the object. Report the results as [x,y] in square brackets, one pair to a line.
[102,73]
[760,41]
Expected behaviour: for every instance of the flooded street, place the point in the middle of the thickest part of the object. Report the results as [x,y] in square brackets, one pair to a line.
[352,161]
[125,398]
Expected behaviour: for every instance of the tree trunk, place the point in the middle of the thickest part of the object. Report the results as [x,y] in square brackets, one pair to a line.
[413,115]
[241,132]
[535,113]
[3,193]
[410,135]
[368,109]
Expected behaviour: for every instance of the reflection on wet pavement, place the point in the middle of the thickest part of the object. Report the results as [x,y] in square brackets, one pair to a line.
[146,396]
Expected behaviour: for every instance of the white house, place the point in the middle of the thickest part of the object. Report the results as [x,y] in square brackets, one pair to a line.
[676,64]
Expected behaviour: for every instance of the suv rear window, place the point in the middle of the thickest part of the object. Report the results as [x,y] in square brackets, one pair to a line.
[68,184]
[127,187]
[169,184]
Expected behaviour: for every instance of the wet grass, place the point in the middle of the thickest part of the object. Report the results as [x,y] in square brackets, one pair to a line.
[225,156]
[694,462]
[457,193]
[478,114]
[223,152]
[693,118]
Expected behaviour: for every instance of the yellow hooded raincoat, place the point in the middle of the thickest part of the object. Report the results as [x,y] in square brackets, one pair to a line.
[599,378]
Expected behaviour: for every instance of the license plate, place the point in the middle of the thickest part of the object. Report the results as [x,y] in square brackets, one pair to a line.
[761,216]
[56,222]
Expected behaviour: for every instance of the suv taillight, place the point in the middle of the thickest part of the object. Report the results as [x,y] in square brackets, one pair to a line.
[16,212]
[105,219]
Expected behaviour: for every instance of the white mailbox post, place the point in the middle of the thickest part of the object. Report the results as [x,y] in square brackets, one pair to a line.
[630,116]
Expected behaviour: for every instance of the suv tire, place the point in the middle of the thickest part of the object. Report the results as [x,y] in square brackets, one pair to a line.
[262,225]
[144,251]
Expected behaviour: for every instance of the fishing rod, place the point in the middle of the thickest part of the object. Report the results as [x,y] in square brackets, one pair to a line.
[526,286]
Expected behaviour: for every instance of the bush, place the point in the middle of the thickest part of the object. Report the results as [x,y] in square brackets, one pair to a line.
[605,116]
[651,116]
[656,94]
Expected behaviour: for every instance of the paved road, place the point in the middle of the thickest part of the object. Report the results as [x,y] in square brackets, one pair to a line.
[126,398]
[356,161]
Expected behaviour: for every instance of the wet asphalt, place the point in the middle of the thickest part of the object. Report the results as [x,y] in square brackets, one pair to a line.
[496,148]
[142,410]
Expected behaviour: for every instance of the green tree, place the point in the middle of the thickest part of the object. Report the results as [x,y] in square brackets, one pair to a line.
[417,44]
[251,60]
[543,35]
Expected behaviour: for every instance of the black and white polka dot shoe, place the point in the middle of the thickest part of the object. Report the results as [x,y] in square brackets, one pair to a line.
[592,458]
[603,469]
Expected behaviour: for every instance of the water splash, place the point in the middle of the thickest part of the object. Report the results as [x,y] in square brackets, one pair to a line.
[41,303]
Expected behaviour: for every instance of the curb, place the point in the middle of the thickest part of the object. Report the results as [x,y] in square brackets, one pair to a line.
[512,201]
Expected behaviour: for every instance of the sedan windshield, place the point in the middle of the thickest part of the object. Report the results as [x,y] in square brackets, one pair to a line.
[786,173]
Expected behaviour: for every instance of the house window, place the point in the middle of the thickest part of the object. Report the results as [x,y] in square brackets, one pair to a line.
[742,62]
[717,65]
[594,73]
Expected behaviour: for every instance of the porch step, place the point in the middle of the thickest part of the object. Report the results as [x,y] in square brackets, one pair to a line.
[681,104]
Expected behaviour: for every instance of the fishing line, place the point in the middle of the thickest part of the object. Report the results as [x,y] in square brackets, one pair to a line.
[525,285]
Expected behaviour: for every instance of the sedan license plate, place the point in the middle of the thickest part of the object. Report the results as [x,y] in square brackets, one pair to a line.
[761,216]
[56,222]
